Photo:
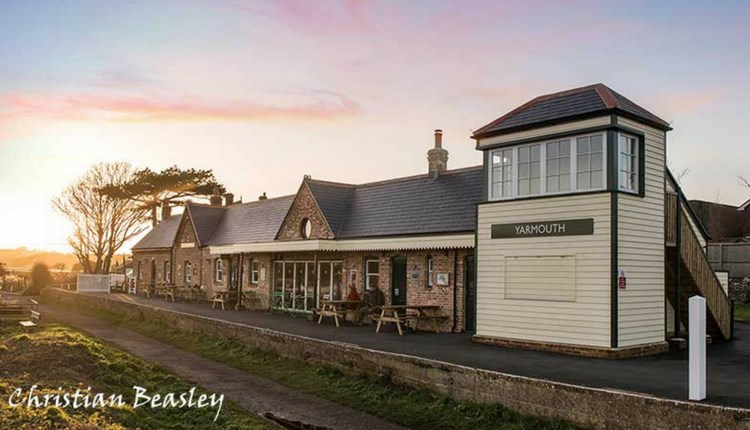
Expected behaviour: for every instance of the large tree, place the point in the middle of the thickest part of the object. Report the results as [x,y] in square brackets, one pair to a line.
[102,223]
[172,185]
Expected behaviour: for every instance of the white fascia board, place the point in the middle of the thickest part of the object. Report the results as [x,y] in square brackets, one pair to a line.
[407,243]
[382,244]
[275,246]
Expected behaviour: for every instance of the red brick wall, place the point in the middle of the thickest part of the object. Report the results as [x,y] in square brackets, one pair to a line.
[304,206]
[146,257]
[187,249]
[417,290]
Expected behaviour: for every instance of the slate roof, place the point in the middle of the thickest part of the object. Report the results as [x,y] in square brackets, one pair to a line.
[205,219]
[586,101]
[404,206]
[257,221]
[161,236]
[333,200]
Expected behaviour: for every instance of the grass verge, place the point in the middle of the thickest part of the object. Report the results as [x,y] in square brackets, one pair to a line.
[61,360]
[742,312]
[413,408]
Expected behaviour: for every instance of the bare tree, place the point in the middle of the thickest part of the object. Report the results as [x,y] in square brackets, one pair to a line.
[102,224]
[681,174]
[744,181]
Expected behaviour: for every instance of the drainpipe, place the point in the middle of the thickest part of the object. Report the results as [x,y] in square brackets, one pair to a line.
[455,291]
[678,268]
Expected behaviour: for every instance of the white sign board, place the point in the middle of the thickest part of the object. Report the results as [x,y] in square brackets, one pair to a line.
[93,283]
[697,348]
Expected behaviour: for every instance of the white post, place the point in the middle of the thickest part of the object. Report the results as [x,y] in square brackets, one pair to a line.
[697,346]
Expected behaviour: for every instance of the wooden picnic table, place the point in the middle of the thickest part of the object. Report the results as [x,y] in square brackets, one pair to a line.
[336,309]
[220,297]
[398,315]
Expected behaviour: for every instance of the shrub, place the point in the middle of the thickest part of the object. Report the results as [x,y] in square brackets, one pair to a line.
[40,278]
[739,290]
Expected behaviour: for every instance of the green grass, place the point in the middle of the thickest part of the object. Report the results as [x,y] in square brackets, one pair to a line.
[742,312]
[417,409]
[60,357]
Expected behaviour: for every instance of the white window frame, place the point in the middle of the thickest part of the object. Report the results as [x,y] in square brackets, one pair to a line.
[430,267]
[543,168]
[368,273]
[636,163]
[218,271]
[188,266]
[140,270]
[254,271]
[167,272]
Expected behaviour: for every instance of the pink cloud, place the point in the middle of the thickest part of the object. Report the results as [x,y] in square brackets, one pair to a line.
[77,107]
[689,101]
[319,17]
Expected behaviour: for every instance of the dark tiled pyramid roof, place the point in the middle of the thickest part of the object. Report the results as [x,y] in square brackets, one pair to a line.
[589,100]
[161,236]
[205,219]
[333,200]
[257,221]
[412,205]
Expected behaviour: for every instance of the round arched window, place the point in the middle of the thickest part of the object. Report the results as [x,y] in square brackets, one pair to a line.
[306,228]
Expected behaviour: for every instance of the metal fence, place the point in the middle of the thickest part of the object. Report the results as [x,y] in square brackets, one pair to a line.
[730,257]
[93,283]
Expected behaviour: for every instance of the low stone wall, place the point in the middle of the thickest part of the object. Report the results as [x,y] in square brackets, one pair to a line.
[586,407]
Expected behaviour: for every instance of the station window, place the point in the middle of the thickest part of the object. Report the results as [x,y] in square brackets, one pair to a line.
[218,270]
[188,273]
[628,162]
[254,271]
[553,167]
[167,272]
[430,266]
[372,274]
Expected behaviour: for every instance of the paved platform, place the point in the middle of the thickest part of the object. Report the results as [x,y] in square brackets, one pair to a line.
[663,376]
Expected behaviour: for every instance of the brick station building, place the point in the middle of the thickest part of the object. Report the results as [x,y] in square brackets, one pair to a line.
[583,241]
[411,237]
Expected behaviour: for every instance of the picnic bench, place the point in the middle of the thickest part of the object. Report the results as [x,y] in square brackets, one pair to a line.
[35,316]
[399,314]
[337,309]
[220,297]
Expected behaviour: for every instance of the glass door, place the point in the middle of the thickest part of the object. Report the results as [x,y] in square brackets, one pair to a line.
[277,298]
[331,285]
[324,282]
[312,287]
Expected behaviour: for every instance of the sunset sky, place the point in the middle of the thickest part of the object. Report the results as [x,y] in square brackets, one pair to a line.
[264,92]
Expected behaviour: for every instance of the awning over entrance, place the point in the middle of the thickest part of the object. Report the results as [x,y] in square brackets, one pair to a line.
[454,241]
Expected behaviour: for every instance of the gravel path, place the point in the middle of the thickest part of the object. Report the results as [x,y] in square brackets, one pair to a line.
[254,393]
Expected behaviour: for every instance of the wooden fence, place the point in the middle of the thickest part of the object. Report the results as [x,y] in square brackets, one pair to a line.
[730,257]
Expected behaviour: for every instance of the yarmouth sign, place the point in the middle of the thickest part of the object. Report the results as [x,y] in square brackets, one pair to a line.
[571,227]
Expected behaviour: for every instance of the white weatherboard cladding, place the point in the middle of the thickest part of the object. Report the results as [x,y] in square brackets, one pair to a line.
[541,278]
[640,227]
[583,321]
[546,131]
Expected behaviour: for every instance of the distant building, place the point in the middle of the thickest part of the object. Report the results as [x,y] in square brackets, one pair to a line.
[725,223]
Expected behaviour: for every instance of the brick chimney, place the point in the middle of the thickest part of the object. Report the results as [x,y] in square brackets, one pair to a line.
[263,197]
[216,199]
[228,199]
[437,157]
[166,210]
